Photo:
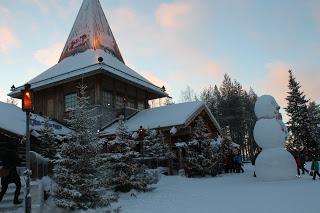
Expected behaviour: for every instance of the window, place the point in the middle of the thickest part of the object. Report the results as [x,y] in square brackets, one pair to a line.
[140,105]
[107,98]
[119,101]
[130,103]
[70,101]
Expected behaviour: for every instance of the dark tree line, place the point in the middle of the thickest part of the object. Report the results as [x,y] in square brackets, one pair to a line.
[233,107]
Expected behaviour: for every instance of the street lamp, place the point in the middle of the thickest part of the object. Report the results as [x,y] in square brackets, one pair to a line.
[27,106]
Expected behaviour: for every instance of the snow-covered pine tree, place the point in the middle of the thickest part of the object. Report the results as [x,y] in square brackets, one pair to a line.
[127,172]
[201,156]
[314,115]
[74,172]
[299,124]
[155,148]
[48,140]
[225,145]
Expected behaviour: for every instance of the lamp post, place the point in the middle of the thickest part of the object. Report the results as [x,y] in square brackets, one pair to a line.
[27,106]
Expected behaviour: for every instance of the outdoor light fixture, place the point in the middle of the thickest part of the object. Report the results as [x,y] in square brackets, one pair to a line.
[27,96]
[100,59]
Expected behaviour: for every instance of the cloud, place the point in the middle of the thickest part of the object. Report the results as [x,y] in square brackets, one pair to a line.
[173,15]
[276,81]
[156,80]
[8,40]
[163,41]
[49,56]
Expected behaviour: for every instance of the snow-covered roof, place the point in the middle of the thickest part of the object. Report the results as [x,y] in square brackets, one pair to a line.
[13,120]
[90,38]
[165,116]
[84,64]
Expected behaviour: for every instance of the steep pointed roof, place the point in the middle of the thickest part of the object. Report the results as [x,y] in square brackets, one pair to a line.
[90,38]
[91,30]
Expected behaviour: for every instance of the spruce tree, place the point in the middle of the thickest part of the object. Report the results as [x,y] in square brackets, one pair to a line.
[155,148]
[226,144]
[314,115]
[250,119]
[48,140]
[77,186]
[201,156]
[299,124]
[126,172]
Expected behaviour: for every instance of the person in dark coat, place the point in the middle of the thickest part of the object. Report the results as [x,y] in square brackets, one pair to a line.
[300,164]
[315,168]
[10,162]
[238,163]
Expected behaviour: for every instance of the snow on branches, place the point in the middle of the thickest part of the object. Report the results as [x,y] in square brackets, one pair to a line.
[201,154]
[126,170]
[77,185]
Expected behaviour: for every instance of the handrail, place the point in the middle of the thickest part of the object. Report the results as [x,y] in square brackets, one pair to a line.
[39,165]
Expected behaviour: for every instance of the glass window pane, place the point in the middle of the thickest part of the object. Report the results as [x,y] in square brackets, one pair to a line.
[107,98]
[119,101]
[70,101]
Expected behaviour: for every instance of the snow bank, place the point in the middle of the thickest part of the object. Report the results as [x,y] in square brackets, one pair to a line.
[230,193]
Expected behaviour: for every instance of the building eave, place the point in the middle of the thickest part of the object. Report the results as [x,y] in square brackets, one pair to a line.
[93,70]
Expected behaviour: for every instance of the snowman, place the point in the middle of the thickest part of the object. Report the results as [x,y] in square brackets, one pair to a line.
[270,133]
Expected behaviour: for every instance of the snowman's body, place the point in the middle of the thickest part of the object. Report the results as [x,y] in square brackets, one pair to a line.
[270,133]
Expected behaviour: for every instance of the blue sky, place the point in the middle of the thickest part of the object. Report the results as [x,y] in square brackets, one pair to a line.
[176,43]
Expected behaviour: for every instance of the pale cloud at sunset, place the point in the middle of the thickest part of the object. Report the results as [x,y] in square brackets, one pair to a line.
[8,40]
[178,42]
[49,56]
[173,15]
[276,81]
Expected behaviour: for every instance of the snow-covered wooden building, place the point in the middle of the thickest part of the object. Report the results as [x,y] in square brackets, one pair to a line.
[175,118]
[13,128]
[90,56]
[176,122]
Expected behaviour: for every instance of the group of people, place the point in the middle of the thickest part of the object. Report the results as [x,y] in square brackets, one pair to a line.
[300,161]
[9,174]
[233,163]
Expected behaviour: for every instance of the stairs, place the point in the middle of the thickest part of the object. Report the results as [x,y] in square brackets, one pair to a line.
[6,205]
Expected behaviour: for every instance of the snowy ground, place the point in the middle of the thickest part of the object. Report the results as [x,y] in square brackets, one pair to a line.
[229,193]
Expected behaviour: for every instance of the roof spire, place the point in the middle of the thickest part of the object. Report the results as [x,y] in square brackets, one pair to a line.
[90,31]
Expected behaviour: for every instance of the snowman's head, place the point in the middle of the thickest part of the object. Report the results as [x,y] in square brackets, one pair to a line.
[266,107]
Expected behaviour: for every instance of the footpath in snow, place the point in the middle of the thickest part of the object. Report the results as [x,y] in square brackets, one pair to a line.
[228,193]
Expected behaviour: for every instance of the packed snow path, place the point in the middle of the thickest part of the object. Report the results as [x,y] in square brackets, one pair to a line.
[229,193]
